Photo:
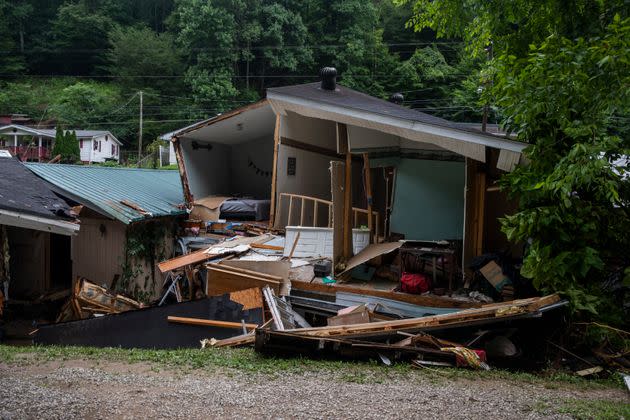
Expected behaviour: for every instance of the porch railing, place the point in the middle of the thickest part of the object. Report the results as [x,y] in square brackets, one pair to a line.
[29,152]
[316,212]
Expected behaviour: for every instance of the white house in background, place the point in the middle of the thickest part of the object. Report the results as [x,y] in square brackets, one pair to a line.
[30,143]
[96,145]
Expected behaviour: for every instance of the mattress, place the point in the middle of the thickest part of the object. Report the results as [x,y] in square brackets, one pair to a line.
[241,208]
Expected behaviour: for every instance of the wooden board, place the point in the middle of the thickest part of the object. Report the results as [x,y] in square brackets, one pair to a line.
[249,298]
[274,172]
[209,322]
[222,280]
[505,310]
[184,260]
[274,268]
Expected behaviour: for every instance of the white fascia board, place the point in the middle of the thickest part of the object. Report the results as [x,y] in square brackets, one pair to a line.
[282,103]
[27,221]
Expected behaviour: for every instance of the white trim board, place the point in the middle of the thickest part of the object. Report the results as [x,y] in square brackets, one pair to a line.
[27,221]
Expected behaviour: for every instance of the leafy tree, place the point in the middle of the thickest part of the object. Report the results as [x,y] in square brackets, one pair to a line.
[83,103]
[560,80]
[67,146]
[140,58]
[574,208]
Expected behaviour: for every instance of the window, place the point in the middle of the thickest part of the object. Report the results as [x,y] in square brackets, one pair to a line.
[113,149]
[99,146]
[81,144]
[95,144]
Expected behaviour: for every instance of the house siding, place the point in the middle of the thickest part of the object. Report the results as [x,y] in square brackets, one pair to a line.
[101,153]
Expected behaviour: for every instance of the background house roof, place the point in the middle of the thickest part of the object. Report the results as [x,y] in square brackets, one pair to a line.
[81,133]
[153,193]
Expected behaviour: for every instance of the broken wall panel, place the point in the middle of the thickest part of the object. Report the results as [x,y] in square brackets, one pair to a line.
[149,328]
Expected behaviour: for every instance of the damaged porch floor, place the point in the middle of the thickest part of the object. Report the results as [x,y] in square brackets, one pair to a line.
[53,382]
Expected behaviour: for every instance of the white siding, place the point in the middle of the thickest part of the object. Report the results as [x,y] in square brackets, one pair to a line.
[85,150]
[104,148]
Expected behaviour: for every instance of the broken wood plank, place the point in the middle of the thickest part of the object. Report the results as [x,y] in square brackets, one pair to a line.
[195,257]
[225,279]
[209,322]
[335,217]
[265,246]
[457,318]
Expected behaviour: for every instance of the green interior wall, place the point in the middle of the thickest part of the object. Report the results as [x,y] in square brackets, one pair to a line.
[429,199]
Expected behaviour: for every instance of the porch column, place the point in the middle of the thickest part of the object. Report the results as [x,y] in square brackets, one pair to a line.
[39,149]
[15,142]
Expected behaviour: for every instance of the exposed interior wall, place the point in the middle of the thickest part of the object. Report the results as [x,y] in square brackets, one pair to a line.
[312,175]
[429,199]
[207,170]
[255,179]
[225,169]
[98,250]
[321,133]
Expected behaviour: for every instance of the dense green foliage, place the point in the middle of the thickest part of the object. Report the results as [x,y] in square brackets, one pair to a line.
[195,58]
[561,79]
[66,146]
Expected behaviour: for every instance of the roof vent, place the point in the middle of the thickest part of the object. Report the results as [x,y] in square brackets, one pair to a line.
[329,78]
[397,98]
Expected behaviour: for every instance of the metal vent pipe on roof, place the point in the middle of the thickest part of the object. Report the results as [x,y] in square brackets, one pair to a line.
[397,98]
[329,78]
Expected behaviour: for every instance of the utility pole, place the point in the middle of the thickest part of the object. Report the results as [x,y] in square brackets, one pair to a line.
[140,131]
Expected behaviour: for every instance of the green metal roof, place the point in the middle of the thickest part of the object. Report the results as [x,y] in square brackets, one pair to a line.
[104,189]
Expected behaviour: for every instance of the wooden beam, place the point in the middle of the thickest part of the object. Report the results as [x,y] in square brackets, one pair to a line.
[335,215]
[344,147]
[184,260]
[209,322]
[368,195]
[310,148]
[274,174]
[188,197]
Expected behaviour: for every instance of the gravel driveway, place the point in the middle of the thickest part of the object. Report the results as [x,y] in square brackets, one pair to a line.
[105,389]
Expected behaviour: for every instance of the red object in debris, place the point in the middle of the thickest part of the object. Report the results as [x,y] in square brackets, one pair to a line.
[415,283]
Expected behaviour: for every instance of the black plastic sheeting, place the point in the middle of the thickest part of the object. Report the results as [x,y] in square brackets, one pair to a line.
[149,328]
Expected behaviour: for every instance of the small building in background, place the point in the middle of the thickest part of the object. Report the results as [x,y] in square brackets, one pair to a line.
[36,144]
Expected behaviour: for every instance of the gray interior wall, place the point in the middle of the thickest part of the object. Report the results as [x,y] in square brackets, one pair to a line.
[244,178]
[429,199]
[208,170]
[321,133]
[312,176]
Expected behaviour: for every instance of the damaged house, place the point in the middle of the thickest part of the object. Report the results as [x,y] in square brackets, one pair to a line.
[127,222]
[393,172]
[36,231]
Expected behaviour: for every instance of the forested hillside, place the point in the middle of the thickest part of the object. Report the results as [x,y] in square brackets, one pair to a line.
[83,62]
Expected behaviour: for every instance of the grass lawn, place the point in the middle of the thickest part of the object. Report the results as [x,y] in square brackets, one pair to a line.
[247,360]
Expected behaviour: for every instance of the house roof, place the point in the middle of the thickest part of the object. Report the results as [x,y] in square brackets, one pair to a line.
[50,133]
[348,106]
[147,193]
[27,201]
[82,133]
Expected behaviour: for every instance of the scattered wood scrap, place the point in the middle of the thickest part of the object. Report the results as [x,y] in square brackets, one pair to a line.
[226,279]
[209,322]
[88,299]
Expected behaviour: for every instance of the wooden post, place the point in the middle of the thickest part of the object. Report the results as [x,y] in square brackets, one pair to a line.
[368,195]
[335,213]
[274,173]
[342,143]
[290,210]
[302,208]
[480,210]
[314,213]
[188,197]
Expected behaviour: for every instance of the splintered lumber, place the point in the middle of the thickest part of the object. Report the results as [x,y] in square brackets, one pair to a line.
[209,322]
[184,260]
[226,279]
[270,247]
[504,310]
